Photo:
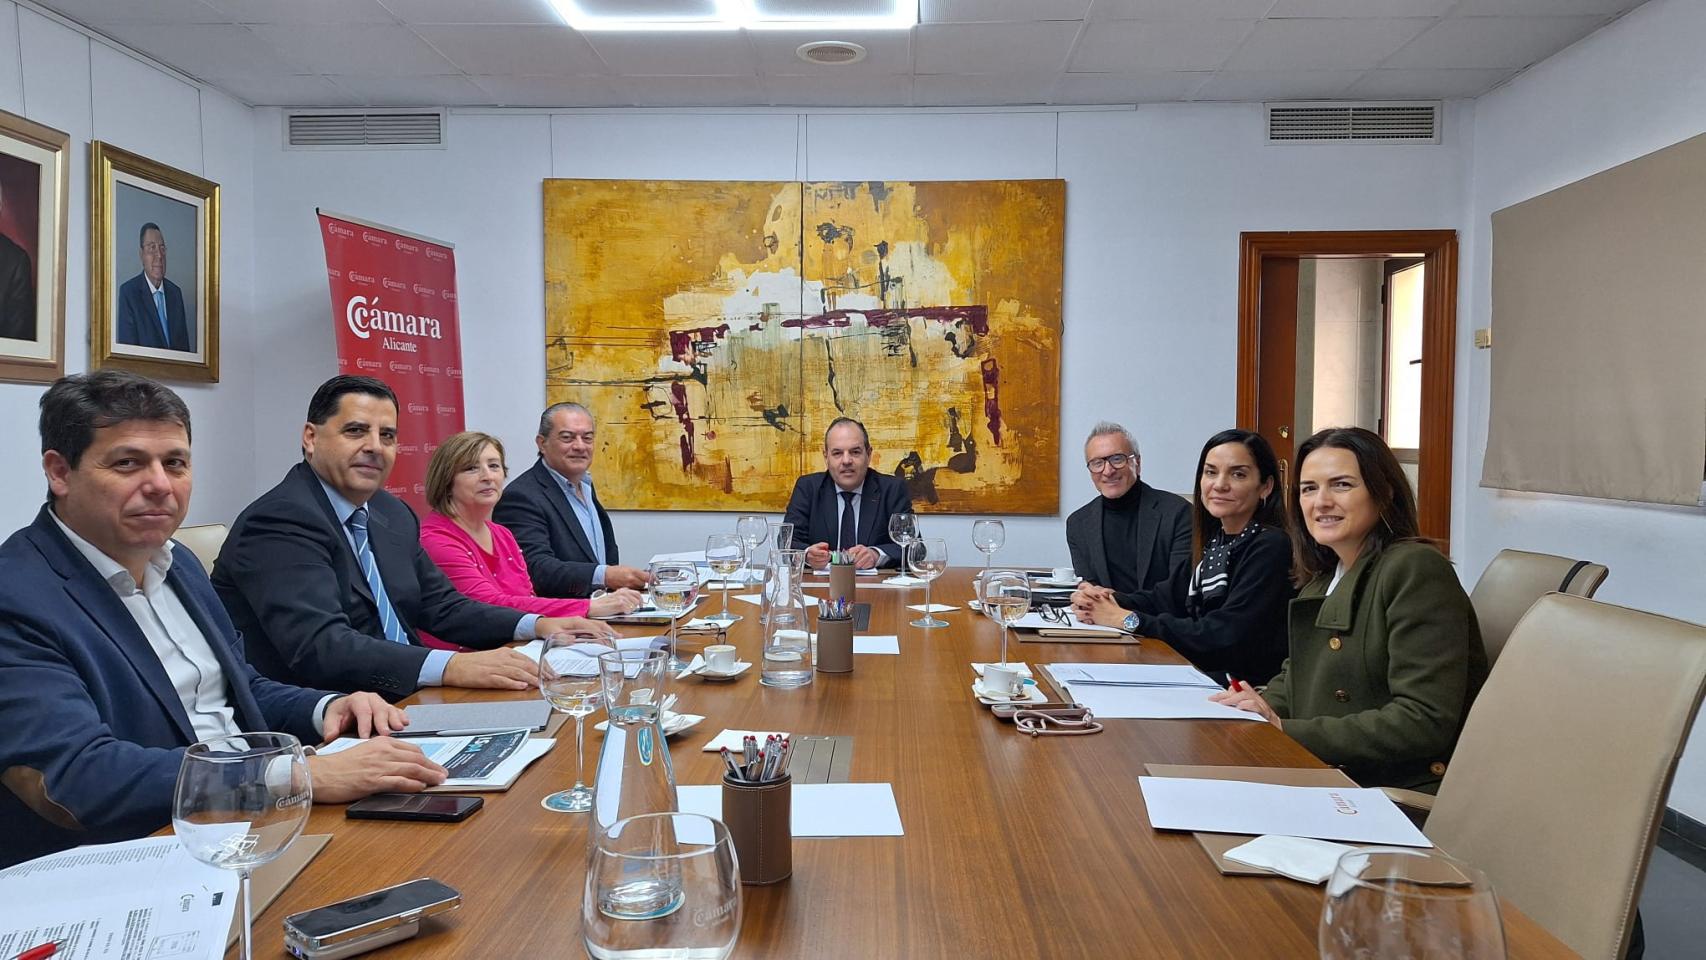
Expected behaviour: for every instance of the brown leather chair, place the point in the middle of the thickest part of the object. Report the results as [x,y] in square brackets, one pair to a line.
[1558,784]
[1517,578]
[204,540]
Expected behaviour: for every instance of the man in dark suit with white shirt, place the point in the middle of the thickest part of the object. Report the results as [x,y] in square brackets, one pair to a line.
[115,654]
[554,513]
[150,307]
[847,506]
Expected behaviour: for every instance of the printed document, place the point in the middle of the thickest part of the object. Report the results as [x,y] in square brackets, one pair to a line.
[1346,814]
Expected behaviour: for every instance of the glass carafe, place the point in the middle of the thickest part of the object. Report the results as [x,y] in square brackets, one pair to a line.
[787,658]
[634,771]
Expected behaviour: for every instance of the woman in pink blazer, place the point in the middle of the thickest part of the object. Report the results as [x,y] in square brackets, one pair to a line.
[463,482]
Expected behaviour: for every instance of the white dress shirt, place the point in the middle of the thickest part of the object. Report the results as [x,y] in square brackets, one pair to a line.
[174,636]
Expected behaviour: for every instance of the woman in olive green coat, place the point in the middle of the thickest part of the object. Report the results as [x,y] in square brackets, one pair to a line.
[1386,656]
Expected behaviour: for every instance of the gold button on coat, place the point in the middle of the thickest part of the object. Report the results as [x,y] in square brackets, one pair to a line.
[1341,696]
[1437,769]
[1334,643]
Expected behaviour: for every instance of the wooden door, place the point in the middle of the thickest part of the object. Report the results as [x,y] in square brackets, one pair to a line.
[1276,382]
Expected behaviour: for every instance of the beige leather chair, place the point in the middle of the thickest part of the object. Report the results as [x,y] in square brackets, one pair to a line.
[1517,578]
[204,540]
[1558,784]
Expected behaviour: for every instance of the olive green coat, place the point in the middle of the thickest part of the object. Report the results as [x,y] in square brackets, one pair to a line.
[1382,671]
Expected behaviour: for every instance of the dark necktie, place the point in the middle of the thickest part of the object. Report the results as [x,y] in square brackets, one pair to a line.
[849,535]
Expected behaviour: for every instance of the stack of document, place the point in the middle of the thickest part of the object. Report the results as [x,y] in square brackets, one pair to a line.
[488,761]
[118,900]
[1067,626]
[488,716]
[1348,814]
[1140,691]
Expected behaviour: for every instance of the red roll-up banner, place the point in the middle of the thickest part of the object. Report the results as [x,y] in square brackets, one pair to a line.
[394,309]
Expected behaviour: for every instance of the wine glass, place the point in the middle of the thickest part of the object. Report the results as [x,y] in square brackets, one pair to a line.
[903,529]
[569,682]
[927,557]
[674,585]
[988,536]
[1006,597]
[239,803]
[752,531]
[725,554]
[1409,902]
[662,885]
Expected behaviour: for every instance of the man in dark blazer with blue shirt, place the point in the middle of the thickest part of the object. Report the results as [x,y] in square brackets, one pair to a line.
[326,577]
[150,307]
[556,518]
[847,506]
[114,651]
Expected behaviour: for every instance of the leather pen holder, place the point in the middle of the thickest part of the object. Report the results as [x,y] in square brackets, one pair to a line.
[841,579]
[760,821]
[835,645]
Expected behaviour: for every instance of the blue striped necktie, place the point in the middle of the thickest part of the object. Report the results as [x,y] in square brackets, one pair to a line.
[160,308]
[394,631]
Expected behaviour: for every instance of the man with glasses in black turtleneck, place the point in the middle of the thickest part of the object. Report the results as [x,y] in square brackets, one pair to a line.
[1132,536]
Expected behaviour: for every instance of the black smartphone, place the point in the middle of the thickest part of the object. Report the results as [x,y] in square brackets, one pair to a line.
[367,922]
[433,807]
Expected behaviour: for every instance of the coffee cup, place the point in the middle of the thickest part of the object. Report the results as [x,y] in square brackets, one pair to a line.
[1002,681]
[1063,575]
[720,657]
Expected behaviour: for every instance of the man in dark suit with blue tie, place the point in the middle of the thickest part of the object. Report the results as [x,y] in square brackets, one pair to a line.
[150,307]
[326,577]
[556,518]
[115,653]
[847,506]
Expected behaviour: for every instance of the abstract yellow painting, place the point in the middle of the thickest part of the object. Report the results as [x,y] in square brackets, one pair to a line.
[715,328]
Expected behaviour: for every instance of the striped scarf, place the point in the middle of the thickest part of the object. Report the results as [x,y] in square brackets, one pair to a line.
[1213,577]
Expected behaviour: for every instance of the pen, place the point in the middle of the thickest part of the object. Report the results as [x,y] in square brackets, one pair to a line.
[41,952]
[729,761]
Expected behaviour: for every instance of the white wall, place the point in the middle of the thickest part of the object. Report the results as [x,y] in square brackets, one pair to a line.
[1156,199]
[1632,88]
[59,76]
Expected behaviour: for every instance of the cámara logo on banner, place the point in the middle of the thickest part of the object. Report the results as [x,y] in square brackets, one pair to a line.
[365,317]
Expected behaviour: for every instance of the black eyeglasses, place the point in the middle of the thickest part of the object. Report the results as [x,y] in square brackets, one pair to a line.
[1052,614]
[1117,461]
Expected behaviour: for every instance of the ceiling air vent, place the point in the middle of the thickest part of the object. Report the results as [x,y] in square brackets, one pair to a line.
[332,129]
[1340,121]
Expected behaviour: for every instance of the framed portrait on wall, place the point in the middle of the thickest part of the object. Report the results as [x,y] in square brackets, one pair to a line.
[34,178]
[153,267]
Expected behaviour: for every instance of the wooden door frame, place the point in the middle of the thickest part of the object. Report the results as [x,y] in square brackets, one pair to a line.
[1438,248]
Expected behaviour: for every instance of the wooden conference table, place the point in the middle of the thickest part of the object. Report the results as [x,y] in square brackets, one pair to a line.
[1014,846]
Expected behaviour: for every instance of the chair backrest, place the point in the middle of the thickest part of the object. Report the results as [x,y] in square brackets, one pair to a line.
[1558,784]
[204,540]
[1517,578]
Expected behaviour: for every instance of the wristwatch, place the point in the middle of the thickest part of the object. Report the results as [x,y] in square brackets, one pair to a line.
[1129,624]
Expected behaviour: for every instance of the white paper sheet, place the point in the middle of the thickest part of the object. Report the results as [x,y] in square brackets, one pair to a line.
[903,580]
[1035,621]
[685,556]
[586,664]
[444,750]
[1348,814]
[876,644]
[820,809]
[141,898]
[934,608]
[751,598]
[734,738]
[1134,674]
[1154,703]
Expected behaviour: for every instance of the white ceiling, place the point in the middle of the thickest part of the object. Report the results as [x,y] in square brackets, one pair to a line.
[963,52]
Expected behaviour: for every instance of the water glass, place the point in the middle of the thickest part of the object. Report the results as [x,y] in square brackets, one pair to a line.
[903,529]
[988,536]
[1407,903]
[1005,596]
[662,885]
[240,801]
[752,531]
[781,536]
[725,554]
[674,585]
[927,558]
[569,682]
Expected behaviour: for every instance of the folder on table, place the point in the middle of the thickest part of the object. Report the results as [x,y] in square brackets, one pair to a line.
[1216,844]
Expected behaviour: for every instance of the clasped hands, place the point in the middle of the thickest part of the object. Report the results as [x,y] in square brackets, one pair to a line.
[864,558]
[1095,605]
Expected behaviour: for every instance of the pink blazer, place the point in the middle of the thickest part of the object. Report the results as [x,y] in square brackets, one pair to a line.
[498,578]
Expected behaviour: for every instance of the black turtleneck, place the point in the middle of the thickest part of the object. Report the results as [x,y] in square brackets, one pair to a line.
[1119,538]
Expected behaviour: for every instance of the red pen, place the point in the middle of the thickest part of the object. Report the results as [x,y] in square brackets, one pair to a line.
[40,953]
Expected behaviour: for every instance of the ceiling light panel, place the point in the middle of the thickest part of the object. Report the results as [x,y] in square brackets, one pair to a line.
[641,15]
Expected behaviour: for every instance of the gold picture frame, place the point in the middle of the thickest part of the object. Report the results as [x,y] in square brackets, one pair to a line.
[35,163]
[152,308]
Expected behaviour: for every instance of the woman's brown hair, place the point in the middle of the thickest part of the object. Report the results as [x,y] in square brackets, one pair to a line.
[1387,487]
[454,455]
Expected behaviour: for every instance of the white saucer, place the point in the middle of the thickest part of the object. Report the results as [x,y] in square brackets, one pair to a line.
[673,723]
[709,674]
[1057,584]
[1032,694]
